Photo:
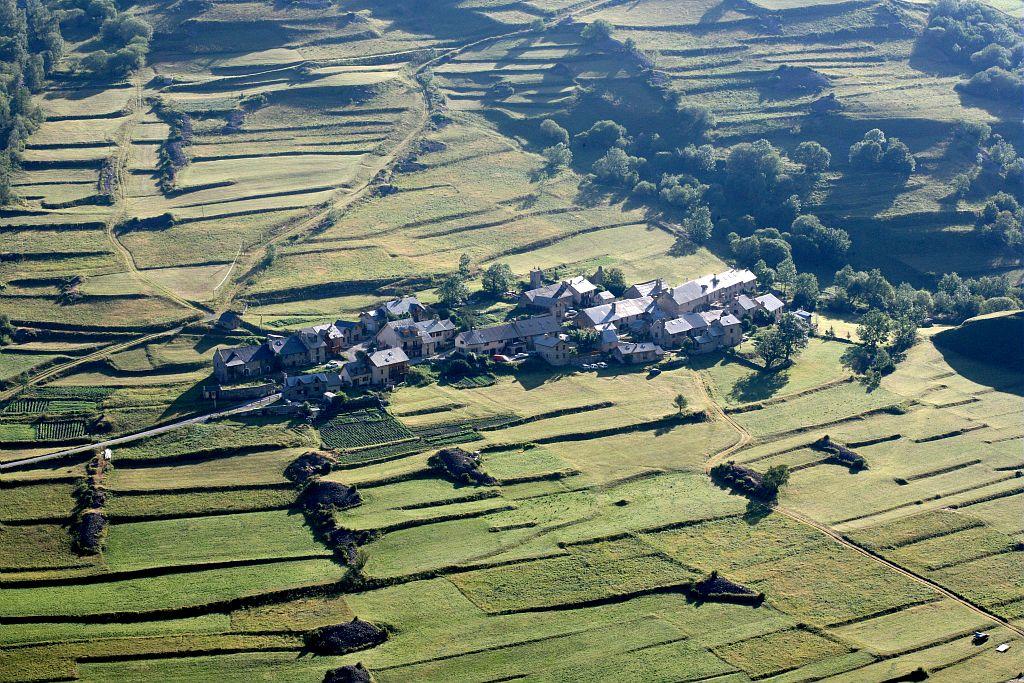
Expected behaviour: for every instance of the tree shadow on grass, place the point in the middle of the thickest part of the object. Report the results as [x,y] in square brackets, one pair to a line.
[755,512]
[759,386]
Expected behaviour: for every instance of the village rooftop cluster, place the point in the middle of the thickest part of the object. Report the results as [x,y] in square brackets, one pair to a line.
[698,316]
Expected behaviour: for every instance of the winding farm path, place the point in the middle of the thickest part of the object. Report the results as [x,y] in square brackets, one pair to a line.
[59,369]
[387,161]
[744,438]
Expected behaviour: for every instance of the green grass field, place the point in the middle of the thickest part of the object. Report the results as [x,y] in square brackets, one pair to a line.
[335,155]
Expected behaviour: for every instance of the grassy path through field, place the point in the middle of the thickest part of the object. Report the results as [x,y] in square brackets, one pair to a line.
[124,153]
[57,370]
[744,438]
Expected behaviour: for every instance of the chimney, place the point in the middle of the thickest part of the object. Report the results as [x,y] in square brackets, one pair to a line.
[536,278]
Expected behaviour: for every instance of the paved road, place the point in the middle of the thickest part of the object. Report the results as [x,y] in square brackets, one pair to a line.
[247,407]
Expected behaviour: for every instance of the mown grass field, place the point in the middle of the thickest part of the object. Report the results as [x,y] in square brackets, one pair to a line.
[312,131]
[575,562]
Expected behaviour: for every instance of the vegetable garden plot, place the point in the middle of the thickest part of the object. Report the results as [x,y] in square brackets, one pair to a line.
[474,382]
[363,428]
[60,431]
[27,406]
[58,400]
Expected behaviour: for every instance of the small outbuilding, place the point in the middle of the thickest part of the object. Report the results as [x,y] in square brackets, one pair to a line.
[629,353]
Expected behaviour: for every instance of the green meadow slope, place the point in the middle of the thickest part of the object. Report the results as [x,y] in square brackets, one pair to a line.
[299,162]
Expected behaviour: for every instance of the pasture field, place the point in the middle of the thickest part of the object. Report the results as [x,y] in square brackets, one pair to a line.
[301,162]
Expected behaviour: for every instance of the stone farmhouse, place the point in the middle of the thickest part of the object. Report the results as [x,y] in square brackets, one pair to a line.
[380,368]
[315,345]
[241,363]
[556,299]
[553,348]
[696,295]
[619,313]
[310,387]
[507,338]
[699,316]
[302,349]
[702,332]
[372,321]
[418,339]
[630,353]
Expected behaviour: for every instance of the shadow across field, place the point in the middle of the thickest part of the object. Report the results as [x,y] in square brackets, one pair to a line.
[759,386]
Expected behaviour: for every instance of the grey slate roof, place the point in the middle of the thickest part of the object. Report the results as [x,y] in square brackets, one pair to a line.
[240,355]
[402,306]
[385,357]
[297,380]
[649,288]
[709,284]
[770,302]
[548,294]
[630,348]
[517,329]
[615,311]
[745,303]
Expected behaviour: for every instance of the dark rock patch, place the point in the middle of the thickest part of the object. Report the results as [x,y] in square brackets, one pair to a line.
[342,638]
[461,467]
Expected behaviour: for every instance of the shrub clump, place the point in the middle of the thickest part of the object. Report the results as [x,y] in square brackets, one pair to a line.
[738,477]
[89,530]
[342,638]
[799,79]
[350,673]
[308,465]
[329,494]
[318,501]
[345,542]
[90,523]
[460,466]
[840,454]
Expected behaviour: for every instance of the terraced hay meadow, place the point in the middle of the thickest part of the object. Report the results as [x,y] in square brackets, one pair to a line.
[170,591]
[778,652]
[822,408]
[736,383]
[148,506]
[248,536]
[318,129]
